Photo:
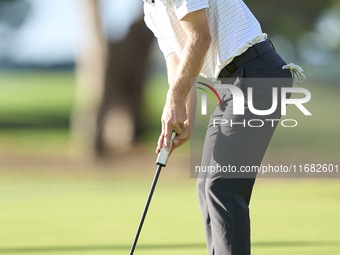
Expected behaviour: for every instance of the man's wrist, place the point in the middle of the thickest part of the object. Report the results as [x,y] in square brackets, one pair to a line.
[174,97]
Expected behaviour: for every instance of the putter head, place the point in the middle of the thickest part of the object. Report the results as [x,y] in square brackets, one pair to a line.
[163,155]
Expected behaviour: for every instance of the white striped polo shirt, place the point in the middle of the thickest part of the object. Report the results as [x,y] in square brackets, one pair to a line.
[232,26]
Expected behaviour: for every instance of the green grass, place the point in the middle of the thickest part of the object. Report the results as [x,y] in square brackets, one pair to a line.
[35,111]
[298,217]
[75,215]
[36,95]
[46,99]
[321,130]
[54,207]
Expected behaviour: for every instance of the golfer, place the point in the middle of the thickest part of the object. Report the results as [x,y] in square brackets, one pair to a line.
[218,39]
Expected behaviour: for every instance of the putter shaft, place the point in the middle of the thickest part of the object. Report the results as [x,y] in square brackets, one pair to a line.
[161,161]
[159,168]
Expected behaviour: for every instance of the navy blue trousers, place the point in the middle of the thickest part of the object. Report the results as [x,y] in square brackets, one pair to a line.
[223,197]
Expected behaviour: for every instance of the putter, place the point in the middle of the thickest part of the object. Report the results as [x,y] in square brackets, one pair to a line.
[161,161]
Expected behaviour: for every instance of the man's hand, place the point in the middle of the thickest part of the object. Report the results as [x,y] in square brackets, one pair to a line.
[180,71]
[174,115]
[182,138]
[186,128]
[179,139]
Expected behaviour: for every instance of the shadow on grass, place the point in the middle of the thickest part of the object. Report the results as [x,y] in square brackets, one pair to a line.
[155,247]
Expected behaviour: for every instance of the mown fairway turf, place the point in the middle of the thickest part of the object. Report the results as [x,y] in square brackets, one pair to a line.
[101,217]
[43,102]
[59,214]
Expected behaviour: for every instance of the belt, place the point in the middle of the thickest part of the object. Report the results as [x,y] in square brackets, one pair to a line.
[251,53]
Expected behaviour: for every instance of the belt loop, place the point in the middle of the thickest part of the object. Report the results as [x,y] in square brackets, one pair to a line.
[272,45]
[259,53]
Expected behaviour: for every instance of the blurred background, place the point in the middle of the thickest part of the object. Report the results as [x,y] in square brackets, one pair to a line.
[82,87]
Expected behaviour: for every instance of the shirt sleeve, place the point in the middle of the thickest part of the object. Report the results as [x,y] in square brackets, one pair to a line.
[163,44]
[183,7]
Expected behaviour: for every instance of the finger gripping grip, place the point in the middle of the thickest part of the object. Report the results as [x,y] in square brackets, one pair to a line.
[163,155]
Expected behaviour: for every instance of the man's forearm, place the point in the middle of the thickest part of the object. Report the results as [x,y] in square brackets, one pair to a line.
[173,63]
[193,56]
[182,69]
[189,67]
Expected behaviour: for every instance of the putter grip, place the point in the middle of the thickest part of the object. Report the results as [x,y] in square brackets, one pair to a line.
[163,155]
